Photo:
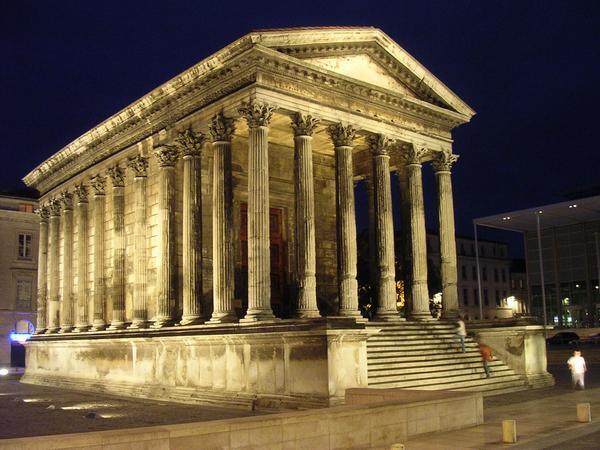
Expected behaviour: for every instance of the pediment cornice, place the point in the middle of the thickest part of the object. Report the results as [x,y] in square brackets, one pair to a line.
[233,68]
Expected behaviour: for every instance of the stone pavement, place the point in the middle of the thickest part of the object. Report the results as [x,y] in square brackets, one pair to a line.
[546,419]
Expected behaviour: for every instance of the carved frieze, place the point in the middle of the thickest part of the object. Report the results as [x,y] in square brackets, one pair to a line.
[379,144]
[342,136]
[166,155]
[98,184]
[304,125]
[190,142]
[139,165]
[117,176]
[443,161]
[221,128]
[257,114]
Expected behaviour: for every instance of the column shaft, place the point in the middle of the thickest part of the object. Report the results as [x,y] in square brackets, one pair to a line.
[192,240]
[66,302]
[384,228]
[118,250]
[405,237]
[449,274]
[42,283]
[139,165]
[222,223]
[419,290]
[53,309]
[305,217]
[83,319]
[98,322]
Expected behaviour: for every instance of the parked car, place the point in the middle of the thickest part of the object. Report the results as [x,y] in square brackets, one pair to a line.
[563,338]
[593,339]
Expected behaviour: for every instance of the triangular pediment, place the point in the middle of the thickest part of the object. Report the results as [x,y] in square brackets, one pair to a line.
[362,68]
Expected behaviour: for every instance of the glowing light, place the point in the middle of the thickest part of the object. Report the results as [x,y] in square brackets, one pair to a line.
[572,206]
[511,302]
[35,400]
[87,406]
[19,337]
[3,372]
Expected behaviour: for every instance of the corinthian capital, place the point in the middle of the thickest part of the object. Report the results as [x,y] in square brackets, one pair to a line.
[304,125]
[257,114]
[189,142]
[342,136]
[443,161]
[378,144]
[221,128]
[66,198]
[139,165]
[43,212]
[117,176]
[413,153]
[166,154]
[54,207]
[81,192]
[98,184]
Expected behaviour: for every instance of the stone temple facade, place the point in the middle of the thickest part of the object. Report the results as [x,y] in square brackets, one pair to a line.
[201,243]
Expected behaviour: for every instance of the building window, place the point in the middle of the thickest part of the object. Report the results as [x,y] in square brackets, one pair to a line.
[24,246]
[464,272]
[475,297]
[474,272]
[462,249]
[494,250]
[497,298]
[503,294]
[482,250]
[496,274]
[512,284]
[23,294]
[504,275]
[521,284]
[486,300]
[466,296]
[484,273]
[472,250]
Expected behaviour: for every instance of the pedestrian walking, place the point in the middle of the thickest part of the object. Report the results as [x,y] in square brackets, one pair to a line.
[461,333]
[486,356]
[578,368]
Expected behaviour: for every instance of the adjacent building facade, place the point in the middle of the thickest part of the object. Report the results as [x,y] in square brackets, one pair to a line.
[19,228]
[204,238]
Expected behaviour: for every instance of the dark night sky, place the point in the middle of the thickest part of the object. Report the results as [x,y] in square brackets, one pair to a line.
[530,69]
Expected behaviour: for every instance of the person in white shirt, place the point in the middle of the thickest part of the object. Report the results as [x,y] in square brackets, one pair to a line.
[577,365]
[461,333]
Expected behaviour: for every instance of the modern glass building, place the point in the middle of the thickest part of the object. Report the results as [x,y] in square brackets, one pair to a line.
[562,253]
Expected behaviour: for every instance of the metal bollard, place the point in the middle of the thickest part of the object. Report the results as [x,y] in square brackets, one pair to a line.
[584,412]
[397,447]
[509,431]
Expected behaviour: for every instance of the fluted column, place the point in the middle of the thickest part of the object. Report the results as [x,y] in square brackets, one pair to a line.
[139,166]
[53,309]
[99,309]
[419,292]
[405,237]
[342,137]
[166,278]
[66,301]
[117,177]
[305,216]
[442,165]
[82,322]
[42,283]
[258,117]
[384,229]
[190,145]
[221,131]
[372,235]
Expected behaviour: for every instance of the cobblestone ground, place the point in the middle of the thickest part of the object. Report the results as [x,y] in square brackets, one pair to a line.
[27,410]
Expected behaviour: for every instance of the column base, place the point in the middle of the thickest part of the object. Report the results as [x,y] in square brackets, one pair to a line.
[223,317]
[65,329]
[349,313]
[81,328]
[40,331]
[191,320]
[421,316]
[259,315]
[98,325]
[52,330]
[117,325]
[137,324]
[308,314]
[162,323]
[388,316]
[449,315]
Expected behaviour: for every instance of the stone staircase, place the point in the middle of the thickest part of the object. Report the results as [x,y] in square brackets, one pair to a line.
[426,355]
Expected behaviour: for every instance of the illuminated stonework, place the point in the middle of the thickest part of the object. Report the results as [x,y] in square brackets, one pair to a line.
[224,200]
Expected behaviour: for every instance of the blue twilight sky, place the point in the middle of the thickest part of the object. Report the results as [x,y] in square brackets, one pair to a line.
[530,69]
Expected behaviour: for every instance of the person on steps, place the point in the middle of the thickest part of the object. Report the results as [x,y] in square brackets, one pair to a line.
[578,368]
[486,357]
[461,333]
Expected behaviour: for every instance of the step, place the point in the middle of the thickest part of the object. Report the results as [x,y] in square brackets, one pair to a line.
[378,369]
[442,375]
[453,345]
[471,383]
[432,350]
[418,358]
